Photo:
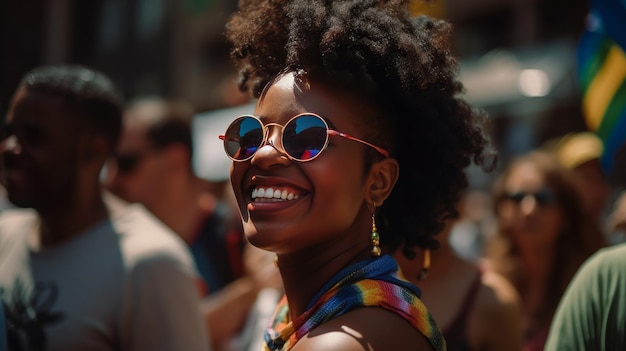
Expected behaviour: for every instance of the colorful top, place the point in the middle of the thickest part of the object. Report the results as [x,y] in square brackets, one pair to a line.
[375,282]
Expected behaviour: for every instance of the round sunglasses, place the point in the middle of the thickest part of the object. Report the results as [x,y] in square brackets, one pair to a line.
[303,137]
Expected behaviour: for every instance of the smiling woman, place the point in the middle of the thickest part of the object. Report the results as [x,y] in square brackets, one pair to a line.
[357,146]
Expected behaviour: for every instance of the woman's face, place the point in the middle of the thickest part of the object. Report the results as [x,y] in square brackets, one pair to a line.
[529,211]
[324,202]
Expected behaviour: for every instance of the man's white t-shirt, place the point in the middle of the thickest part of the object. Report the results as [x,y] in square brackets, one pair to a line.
[128,283]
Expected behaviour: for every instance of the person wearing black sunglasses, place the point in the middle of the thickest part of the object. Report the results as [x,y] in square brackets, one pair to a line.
[358,144]
[79,270]
[543,235]
[153,166]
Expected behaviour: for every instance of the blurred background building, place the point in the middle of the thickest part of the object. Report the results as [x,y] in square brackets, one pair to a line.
[518,57]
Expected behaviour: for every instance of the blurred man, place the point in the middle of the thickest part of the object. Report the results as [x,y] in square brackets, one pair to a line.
[153,166]
[81,271]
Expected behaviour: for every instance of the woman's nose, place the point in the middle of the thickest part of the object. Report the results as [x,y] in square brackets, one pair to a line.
[271,151]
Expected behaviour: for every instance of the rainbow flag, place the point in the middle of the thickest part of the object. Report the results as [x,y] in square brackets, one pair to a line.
[602,75]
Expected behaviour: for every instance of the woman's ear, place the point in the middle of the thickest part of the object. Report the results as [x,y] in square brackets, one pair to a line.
[383,176]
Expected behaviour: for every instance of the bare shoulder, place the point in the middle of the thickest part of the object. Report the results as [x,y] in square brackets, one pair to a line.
[497,314]
[497,291]
[367,328]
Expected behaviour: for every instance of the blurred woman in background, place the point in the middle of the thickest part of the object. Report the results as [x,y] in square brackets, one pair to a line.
[476,308]
[543,235]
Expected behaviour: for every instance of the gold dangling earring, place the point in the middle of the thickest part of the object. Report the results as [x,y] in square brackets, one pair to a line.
[425,267]
[374,237]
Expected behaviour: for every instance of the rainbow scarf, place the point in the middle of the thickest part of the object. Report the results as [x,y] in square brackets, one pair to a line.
[375,282]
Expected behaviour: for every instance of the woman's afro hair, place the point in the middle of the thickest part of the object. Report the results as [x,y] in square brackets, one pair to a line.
[401,64]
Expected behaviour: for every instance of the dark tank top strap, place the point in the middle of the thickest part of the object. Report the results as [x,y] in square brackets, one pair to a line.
[455,331]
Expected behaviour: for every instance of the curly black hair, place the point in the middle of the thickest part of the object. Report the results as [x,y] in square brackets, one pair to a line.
[377,51]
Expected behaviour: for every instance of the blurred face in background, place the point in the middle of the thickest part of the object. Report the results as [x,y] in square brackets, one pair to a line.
[528,210]
[137,170]
[40,156]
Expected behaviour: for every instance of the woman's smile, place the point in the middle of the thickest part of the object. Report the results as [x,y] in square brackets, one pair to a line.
[273,194]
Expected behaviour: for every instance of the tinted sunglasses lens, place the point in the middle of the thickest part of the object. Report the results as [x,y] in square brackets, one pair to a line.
[516,197]
[126,163]
[542,197]
[305,136]
[545,198]
[243,138]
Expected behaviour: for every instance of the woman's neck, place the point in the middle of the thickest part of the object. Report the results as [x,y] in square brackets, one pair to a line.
[536,275]
[304,274]
[537,265]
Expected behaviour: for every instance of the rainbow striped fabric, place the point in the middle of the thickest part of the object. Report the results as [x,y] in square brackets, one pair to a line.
[602,75]
[375,282]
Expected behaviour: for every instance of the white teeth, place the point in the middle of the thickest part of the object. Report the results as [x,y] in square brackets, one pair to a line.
[265,194]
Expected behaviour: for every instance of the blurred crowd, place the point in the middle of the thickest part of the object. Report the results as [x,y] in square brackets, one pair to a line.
[109,236]
[493,284]
[104,202]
